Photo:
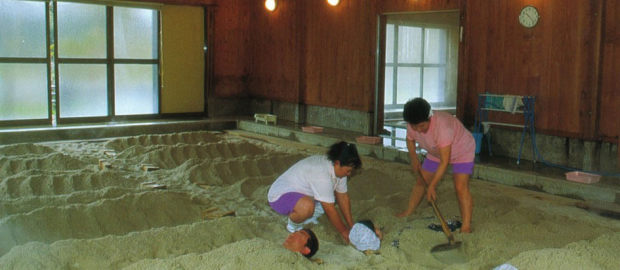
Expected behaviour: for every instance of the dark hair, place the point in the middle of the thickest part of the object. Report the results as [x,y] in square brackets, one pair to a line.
[312,244]
[416,111]
[368,224]
[346,153]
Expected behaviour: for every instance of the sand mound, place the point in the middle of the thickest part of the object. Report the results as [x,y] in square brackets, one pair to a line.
[60,210]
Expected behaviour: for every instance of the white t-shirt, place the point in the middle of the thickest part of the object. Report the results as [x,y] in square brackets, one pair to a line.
[313,176]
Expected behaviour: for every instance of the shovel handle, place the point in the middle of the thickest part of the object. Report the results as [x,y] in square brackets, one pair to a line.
[444,225]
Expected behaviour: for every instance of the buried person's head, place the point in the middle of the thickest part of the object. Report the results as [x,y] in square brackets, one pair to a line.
[364,235]
[303,241]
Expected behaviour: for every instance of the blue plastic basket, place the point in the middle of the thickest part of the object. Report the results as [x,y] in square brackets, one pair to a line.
[478,138]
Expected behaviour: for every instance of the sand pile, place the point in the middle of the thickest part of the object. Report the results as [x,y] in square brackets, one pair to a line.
[59,210]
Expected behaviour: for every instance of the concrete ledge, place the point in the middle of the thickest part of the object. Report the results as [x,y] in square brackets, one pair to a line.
[345,119]
[96,131]
[550,185]
[524,179]
[325,139]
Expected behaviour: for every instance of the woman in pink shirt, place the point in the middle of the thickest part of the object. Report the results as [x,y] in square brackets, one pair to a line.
[447,142]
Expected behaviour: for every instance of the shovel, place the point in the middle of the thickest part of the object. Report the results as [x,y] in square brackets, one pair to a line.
[448,252]
[452,244]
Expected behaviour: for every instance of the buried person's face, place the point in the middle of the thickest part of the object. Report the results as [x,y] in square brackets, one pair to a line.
[296,242]
[379,233]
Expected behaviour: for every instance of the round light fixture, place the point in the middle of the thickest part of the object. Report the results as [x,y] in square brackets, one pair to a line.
[333,2]
[270,5]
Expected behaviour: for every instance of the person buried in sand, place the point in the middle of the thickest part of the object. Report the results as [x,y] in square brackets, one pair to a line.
[314,186]
[446,141]
[303,241]
[366,236]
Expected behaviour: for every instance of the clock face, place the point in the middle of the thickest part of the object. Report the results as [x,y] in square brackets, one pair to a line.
[529,16]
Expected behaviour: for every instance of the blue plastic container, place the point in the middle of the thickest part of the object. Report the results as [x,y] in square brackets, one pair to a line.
[478,138]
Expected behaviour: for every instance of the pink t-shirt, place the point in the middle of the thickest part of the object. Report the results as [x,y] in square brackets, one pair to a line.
[444,130]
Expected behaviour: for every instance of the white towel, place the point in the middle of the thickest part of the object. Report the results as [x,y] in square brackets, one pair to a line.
[505,266]
[363,238]
[512,103]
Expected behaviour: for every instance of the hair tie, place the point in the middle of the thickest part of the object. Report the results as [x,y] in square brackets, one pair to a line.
[430,112]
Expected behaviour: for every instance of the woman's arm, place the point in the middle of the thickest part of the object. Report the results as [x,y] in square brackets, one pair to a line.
[413,156]
[417,191]
[345,206]
[334,219]
[444,160]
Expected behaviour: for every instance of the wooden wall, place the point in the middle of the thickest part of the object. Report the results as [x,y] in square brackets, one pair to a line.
[275,51]
[312,53]
[339,54]
[557,60]
[231,50]
[305,51]
[609,99]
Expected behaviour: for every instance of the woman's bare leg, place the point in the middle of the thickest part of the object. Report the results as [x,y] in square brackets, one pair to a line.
[417,193]
[466,203]
[304,208]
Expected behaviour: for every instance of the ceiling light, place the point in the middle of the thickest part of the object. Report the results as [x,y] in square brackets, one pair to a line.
[270,5]
[333,2]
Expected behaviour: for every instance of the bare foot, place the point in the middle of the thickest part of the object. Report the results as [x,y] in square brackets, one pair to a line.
[465,230]
[403,214]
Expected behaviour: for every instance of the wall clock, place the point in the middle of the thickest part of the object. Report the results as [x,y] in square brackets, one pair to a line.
[529,16]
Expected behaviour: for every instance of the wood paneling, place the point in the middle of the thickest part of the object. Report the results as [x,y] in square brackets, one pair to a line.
[609,114]
[274,59]
[304,51]
[556,61]
[389,6]
[340,54]
[231,50]
[312,53]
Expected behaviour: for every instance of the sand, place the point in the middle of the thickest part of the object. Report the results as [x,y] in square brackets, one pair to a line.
[59,210]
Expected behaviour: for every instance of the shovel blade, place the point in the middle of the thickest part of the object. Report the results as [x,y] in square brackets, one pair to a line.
[449,253]
[446,247]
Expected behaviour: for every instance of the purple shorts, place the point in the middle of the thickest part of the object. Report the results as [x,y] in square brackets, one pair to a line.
[465,167]
[285,204]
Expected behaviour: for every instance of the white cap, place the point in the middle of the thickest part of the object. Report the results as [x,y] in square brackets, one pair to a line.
[363,238]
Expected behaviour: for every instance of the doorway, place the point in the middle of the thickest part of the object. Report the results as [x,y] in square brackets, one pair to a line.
[419,58]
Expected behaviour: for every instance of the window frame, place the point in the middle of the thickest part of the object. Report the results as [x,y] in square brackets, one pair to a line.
[35,60]
[110,61]
[52,62]
[395,65]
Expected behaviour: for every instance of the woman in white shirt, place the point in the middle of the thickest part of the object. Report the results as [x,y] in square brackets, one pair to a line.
[314,186]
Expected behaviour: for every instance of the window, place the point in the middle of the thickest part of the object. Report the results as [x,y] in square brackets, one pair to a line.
[68,61]
[396,138]
[421,59]
[135,48]
[23,61]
